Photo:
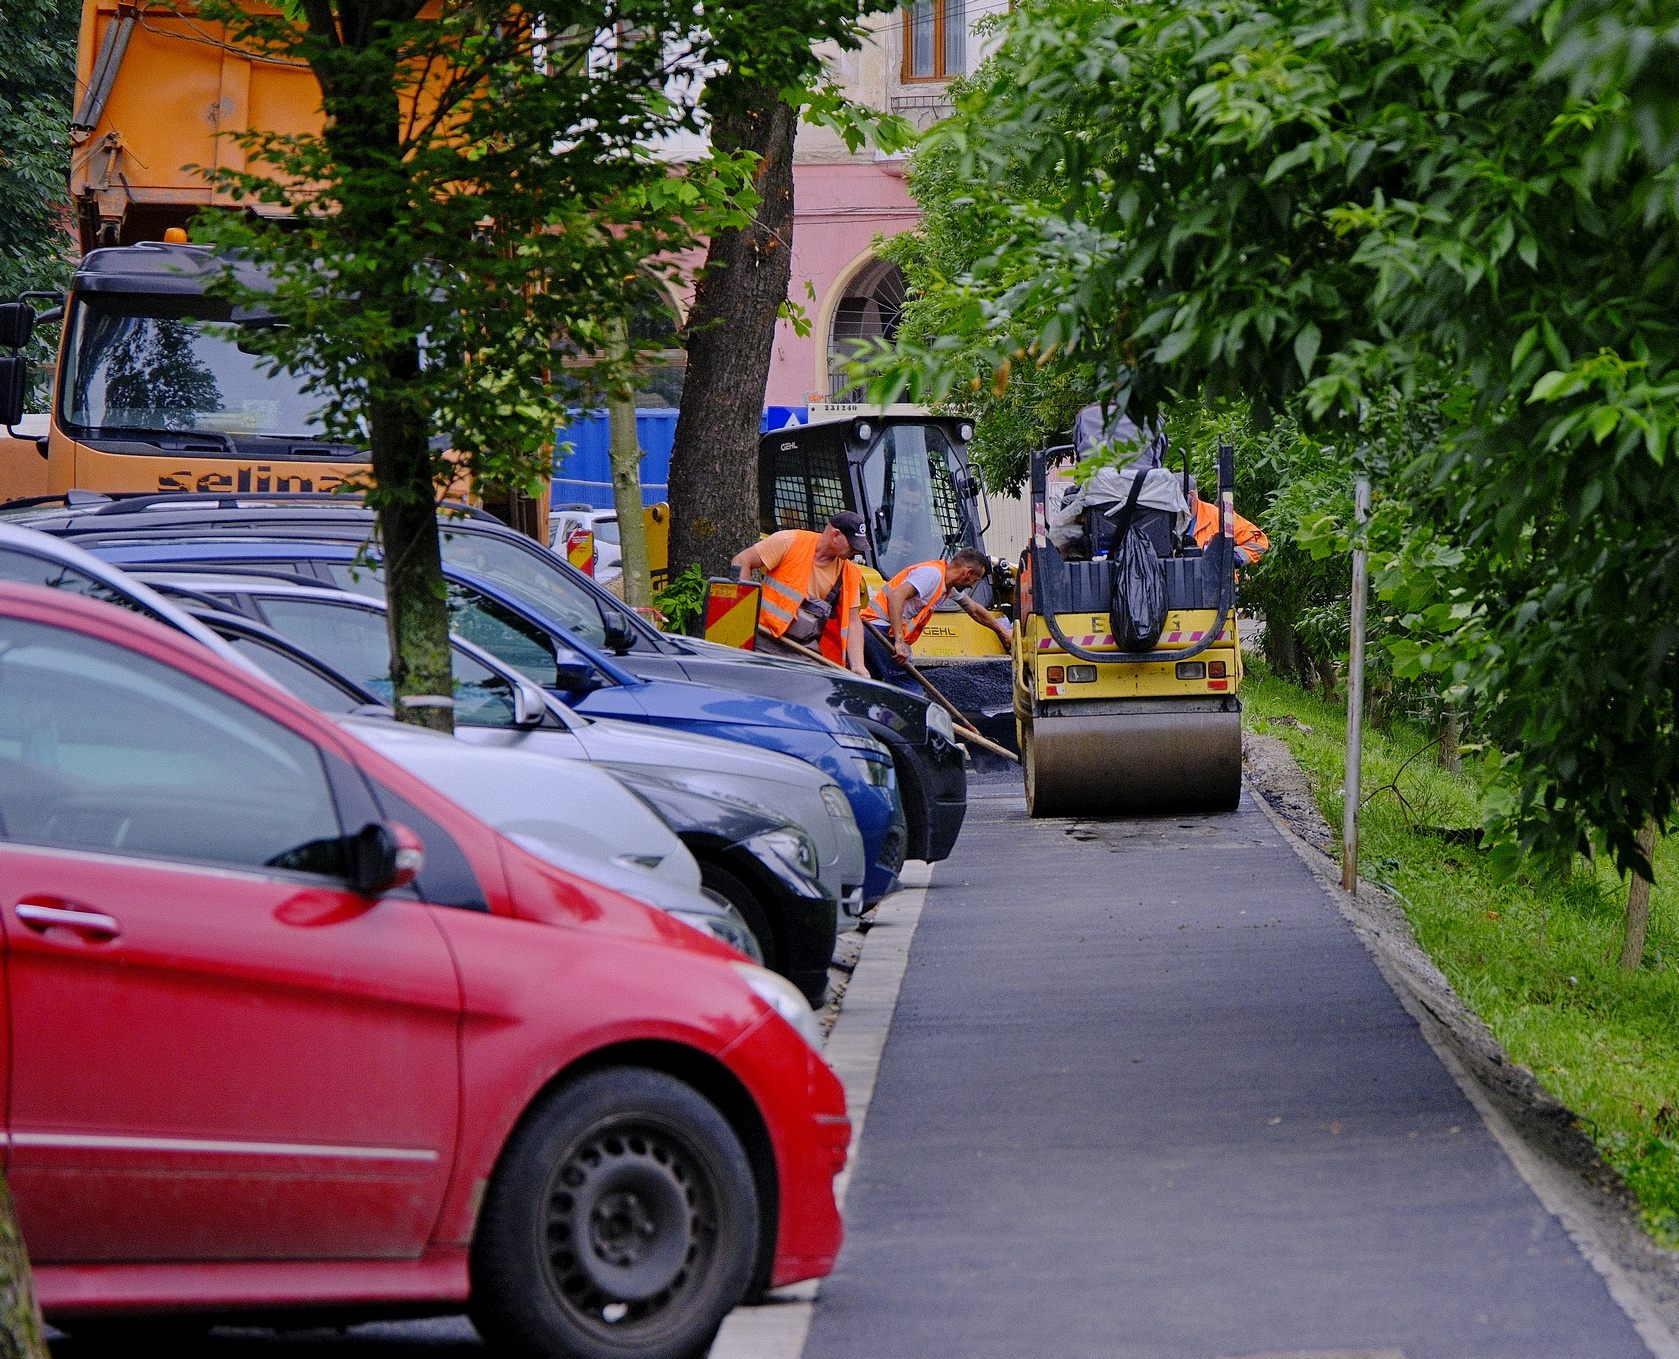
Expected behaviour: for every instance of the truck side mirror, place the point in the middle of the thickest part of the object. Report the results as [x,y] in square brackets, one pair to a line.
[17,324]
[14,389]
[619,636]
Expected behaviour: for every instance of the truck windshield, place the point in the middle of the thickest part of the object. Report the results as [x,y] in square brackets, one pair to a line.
[910,483]
[154,364]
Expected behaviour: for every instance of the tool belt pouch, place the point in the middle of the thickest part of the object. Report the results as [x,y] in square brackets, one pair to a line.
[809,621]
[813,615]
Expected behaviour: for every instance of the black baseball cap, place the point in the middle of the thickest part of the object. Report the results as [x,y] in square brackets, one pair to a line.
[850,523]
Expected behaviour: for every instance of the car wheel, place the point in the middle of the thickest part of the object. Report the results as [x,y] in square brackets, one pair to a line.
[744,900]
[621,1223]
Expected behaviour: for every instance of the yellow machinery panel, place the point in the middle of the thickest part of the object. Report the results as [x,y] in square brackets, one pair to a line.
[23,471]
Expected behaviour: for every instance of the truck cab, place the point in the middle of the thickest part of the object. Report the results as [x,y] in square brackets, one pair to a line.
[155,389]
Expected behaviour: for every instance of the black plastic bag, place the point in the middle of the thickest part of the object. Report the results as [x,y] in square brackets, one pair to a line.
[1138,611]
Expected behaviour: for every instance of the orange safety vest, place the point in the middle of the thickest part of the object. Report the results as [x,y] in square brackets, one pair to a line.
[1248,535]
[877,611]
[785,589]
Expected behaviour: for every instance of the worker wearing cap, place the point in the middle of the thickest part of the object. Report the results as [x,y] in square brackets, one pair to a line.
[901,609]
[812,588]
[1251,542]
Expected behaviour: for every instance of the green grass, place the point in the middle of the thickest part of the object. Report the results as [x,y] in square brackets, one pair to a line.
[1536,959]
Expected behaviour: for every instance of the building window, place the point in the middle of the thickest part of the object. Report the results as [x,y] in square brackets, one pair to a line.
[935,39]
[867,311]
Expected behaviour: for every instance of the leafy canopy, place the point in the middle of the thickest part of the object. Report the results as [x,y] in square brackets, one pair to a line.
[486,192]
[1321,202]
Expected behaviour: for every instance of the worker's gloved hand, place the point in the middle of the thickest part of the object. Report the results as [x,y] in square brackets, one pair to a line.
[1242,557]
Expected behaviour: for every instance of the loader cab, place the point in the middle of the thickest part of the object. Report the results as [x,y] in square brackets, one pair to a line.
[906,472]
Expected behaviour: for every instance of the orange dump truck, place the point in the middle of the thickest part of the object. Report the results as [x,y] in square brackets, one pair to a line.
[154,390]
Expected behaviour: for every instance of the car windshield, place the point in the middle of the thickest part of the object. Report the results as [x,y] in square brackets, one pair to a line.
[354,641]
[529,578]
[148,363]
[910,482]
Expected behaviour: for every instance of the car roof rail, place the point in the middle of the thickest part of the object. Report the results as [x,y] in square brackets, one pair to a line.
[226,571]
[134,502]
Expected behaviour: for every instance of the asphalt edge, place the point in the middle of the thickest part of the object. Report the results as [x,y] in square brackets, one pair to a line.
[777,1328]
[1593,1208]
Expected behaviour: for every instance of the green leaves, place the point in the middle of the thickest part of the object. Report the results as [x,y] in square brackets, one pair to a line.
[1321,206]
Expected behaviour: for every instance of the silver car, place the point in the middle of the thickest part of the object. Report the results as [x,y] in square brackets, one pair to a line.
[348,632]
[575,816]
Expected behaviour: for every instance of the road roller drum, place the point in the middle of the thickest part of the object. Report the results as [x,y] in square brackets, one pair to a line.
[1116,764]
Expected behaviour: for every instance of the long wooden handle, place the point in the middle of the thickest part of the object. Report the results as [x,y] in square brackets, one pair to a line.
[955,713]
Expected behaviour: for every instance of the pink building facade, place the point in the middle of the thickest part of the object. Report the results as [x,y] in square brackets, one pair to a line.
[841,208]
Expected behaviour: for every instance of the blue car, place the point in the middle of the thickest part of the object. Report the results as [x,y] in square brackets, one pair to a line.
[586,678]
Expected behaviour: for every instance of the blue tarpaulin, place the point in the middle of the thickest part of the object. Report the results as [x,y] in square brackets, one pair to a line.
[584,476]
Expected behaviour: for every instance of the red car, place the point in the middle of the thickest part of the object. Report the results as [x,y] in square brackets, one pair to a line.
[291,1032]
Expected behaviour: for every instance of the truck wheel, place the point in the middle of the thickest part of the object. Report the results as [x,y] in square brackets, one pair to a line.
[621,1223]
[744,900]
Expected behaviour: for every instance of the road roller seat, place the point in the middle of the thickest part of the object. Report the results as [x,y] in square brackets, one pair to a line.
[1154,525]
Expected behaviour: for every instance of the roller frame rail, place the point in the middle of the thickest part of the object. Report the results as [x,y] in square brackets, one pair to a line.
[1169,753]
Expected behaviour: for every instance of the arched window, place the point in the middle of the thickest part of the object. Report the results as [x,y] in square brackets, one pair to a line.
[868,310]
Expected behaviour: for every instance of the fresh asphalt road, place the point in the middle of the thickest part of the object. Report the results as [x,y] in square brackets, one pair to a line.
[1145,1096]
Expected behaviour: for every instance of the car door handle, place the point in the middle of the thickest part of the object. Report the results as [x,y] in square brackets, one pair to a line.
[40,916]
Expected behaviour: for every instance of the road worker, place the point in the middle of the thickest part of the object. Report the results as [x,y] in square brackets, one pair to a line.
[900,610]
[812,589]
[1251,542]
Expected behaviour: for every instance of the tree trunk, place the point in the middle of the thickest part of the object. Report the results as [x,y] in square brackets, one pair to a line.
[22,1332]
[416,599]
[364,134]
[1451,735]
[1638,902]
[1325,671]
[626,479]
[731,329]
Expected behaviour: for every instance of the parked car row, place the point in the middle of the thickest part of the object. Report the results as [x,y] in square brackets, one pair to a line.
[316,1012]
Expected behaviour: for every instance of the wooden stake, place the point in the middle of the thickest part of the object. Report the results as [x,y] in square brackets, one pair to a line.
[1352,789]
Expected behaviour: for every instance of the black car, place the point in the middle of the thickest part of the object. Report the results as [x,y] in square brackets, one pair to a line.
[932,779]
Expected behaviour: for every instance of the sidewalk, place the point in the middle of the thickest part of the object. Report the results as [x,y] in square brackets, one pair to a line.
[1145,1095]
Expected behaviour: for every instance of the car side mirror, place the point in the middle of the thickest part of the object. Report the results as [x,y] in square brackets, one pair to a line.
[17,324]
[383,857]
[620,637]
[571,671]
[530,704]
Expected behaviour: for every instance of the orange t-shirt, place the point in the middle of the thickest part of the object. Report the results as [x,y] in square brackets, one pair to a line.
[772,549]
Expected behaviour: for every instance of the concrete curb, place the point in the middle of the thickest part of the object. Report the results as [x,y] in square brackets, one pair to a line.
[1489,1079]
[777,1329]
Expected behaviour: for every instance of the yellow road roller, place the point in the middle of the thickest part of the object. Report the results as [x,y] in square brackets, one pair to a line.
[1105,731]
